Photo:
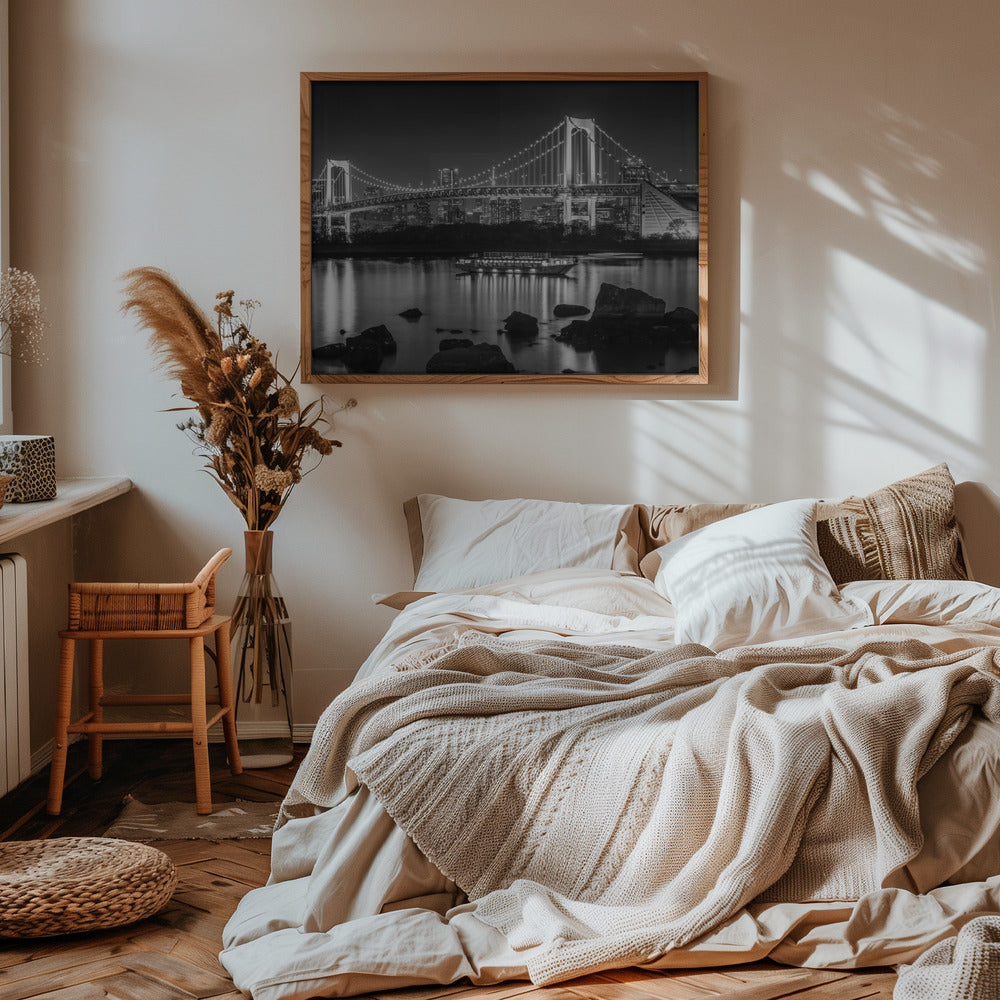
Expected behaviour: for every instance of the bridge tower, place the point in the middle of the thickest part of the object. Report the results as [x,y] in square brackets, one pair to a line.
[335,181]
[579,169]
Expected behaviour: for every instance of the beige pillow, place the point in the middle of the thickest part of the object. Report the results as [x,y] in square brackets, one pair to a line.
[660,524]
[904,531]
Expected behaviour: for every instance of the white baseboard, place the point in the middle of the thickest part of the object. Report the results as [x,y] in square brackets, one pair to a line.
[301,732]
[41,757]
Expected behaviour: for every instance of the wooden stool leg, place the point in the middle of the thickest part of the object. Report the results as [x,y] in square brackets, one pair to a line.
[95,742]
[199,720]
[64,699]
[224,670]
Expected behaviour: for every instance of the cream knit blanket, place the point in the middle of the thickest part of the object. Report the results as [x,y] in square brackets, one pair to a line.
[605,805]
[966,967]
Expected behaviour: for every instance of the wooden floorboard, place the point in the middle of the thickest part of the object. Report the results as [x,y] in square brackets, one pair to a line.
[174,955]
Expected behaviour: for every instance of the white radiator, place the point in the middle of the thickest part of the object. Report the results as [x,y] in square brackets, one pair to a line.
[15,744]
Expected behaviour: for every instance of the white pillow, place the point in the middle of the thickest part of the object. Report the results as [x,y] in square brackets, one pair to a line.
[752,578]
[470,543]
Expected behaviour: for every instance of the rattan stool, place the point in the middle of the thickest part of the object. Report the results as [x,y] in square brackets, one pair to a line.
[72,884]
[100,611]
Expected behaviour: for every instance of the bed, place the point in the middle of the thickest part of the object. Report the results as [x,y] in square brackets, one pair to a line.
[602,736]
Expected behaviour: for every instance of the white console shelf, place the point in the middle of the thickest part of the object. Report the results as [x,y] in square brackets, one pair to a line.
[72,497]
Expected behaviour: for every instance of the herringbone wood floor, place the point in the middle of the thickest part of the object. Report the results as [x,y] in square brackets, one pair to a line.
[173,956]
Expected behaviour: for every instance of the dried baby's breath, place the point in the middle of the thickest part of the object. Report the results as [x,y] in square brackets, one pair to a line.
[272,480]
[22,317]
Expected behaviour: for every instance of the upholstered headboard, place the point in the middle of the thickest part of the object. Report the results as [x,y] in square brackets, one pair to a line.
[977,509]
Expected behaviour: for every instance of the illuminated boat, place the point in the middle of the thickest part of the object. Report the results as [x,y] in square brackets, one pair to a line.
[514,262]
[615,257]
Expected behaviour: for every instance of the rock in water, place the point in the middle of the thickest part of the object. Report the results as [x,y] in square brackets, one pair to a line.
[412,313]
[624,318]
[681,316]
[682,325]
[364,353]
[564,309]
[331,352]
[632,303]
[451,343]
[519,324]
[381,335]
[580,334]
[479,359]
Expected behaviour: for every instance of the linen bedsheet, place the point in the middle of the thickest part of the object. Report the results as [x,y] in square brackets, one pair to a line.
[647,803]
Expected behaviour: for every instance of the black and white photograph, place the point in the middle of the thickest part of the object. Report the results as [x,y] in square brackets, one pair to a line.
[504,228]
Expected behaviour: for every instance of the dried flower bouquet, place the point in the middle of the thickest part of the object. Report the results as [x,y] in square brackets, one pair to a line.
[250,425]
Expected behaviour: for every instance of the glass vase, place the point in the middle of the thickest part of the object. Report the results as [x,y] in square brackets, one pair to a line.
[262,660]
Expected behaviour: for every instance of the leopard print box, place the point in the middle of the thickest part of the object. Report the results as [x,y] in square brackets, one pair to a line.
[31,460]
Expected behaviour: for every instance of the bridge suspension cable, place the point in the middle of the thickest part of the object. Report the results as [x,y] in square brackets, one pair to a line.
[503,169]
[595,157]
[377,182]
[629,157]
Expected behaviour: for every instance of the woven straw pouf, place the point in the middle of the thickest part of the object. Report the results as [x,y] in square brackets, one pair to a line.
[73,884]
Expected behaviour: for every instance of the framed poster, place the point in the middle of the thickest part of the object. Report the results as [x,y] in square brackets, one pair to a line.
[504,228]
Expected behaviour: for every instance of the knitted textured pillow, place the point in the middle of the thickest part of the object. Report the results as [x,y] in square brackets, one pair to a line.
[904,531]
[660,524]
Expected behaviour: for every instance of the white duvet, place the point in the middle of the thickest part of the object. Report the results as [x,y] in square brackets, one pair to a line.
[352,906]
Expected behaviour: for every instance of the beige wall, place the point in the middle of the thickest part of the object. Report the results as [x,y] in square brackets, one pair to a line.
[855,215]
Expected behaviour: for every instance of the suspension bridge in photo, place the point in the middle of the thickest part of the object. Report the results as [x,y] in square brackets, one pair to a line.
[575,173]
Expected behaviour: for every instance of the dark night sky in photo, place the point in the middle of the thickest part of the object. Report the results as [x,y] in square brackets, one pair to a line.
[405,131]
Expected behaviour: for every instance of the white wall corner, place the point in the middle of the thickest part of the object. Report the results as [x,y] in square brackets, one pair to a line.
[6,412]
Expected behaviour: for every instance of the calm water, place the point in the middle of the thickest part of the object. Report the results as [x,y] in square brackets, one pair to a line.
[350,295]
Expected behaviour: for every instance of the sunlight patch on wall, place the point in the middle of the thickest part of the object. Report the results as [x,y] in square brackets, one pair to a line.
[825,186]
[899,132]
[919,228]
[899,369]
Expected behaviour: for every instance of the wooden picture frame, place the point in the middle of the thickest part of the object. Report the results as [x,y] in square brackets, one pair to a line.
[452,232]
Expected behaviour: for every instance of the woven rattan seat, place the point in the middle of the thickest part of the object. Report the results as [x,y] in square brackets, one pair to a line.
[113,611]
[72,884]
[144,606]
